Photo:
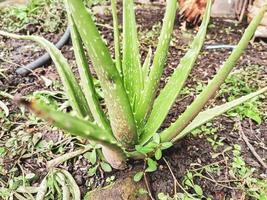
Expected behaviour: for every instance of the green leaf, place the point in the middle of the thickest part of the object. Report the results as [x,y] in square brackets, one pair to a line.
[152,165]
[142,191]
[156,138]
[189,175]
[74,92]
[254,115]
[158,154]
[91,156]
[148,95]
[116,34]
[176,82]
[144,149]
[2,151]
[138,176]
[166,145]
[146,66]
[193,110]
[106,167]
[162,196]
[198,190]
[92,171]
[209,114]
[132,71]
[116,99]
[263,197]
[87,82]
[188,183]
[73,125]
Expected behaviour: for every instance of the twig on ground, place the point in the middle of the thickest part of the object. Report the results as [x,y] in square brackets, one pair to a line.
[176,181]
[55,162]
[147,184]
[251,148]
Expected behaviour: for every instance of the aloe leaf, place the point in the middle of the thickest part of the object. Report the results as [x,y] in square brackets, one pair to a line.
[209,114]
[86,78]
[118,105]
[210,90]
[131,65]
[146,66]
[74,92]
[176,82]
[71,124]
[148,94]
[116,34]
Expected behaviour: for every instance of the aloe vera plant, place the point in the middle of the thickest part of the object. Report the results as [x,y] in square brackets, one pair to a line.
[134,112]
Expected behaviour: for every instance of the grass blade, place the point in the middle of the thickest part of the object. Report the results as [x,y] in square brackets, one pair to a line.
[176,82]
[209,114]
[86,78]
[119,109]
[200,101]
[74,92]
[148,95]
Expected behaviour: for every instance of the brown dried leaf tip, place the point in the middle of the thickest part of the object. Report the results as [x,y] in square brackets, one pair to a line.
[31,105]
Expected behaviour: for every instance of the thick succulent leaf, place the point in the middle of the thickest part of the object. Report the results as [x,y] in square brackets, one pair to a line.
[209,114]
[116,34]
[118,105]
[149,92]
[176,82]
[193,110]
[86,78]
[71,124]
[131,65]
[74,92]
[146,66]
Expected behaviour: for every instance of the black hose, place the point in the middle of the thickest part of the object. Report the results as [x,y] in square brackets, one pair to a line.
[44,59]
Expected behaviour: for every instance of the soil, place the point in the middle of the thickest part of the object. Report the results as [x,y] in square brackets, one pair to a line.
[187,153]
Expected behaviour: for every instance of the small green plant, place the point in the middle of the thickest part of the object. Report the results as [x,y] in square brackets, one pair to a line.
[253,187]
[16,17]
[238,84]
[212,137]
[129,127]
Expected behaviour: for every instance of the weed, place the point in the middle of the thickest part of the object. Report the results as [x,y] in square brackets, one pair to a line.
[240,83]
[253,187]
[16,18]
[210,132]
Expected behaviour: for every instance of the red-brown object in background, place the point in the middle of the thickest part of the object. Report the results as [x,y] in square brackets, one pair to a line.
[192,10]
